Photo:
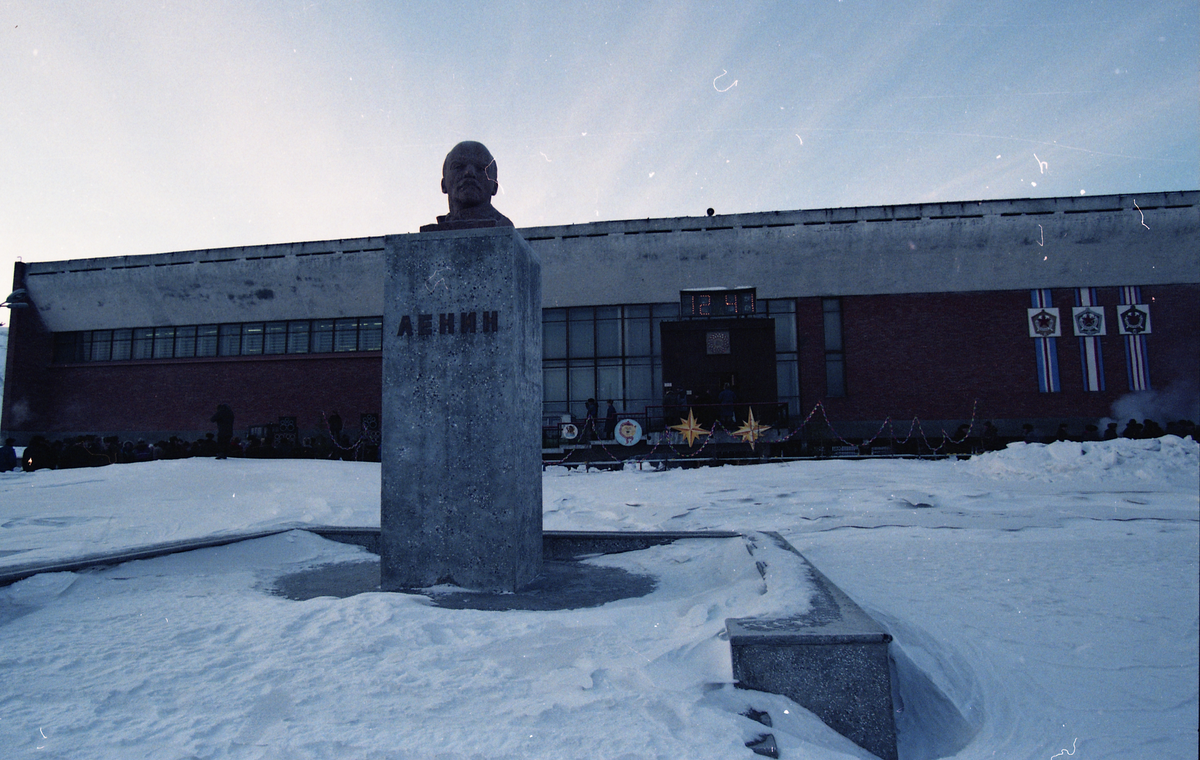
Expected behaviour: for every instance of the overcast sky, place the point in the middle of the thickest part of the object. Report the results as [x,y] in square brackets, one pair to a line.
[132,127]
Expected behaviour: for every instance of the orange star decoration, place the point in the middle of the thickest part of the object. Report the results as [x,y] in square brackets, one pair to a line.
[690,428]
[751,430]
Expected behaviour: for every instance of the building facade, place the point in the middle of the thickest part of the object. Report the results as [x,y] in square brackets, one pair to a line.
[1035,311]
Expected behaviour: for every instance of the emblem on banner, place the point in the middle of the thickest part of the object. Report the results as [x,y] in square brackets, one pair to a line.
[1089,321]
[1135,319]
[1043,323]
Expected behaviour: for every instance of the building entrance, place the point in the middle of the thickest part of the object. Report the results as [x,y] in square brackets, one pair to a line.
[703,359]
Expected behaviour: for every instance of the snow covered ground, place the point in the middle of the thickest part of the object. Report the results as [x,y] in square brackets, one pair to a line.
[1043,599]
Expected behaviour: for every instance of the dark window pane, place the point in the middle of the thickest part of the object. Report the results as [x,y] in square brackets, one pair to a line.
[231,340]
[582,338]
[637,336]
[252,338]
[666,310]
[833,324]
[322,336]
[345,335]
[370,334]
[164,342]
[185,342]
[554,384]
[143,343]
[582,387]
[835,375]
[638,386]
[609,385]
[608,337]
[122,345]
[275,338]
[206,340]
[101,345]
[661,311]
[784,313]
[554,340]
[297,340]
[787,377]
[67,347]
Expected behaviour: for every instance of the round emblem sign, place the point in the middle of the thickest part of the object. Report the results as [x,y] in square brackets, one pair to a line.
[570,432]
[628,432]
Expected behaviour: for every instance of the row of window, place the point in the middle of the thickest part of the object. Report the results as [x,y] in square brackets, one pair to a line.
[576,333]
[299,336]
[597,352]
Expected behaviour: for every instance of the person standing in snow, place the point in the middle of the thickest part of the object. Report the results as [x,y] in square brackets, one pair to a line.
[1027,434]
[726,398]
[224,420]
[8,456]
[589,424]
[334,421]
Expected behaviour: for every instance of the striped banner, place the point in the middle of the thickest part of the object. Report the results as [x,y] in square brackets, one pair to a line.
[1045,348]
[1088,320]
[1136,360]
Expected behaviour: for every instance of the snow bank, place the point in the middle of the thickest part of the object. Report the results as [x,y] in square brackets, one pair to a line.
[1166,460]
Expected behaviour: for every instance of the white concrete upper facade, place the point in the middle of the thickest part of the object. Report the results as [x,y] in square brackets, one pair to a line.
[1086,241]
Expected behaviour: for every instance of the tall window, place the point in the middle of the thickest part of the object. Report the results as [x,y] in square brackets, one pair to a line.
[787,365]
[835,353]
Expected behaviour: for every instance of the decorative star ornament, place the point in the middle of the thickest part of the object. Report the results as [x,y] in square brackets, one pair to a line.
[690,428]
[751,430]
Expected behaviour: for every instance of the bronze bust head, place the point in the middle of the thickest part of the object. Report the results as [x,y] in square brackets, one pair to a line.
[469,179]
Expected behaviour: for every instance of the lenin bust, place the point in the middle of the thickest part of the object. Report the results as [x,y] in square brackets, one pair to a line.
[469,180]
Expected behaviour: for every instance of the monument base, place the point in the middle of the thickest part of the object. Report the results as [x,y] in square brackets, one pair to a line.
[832,660]
[461,497]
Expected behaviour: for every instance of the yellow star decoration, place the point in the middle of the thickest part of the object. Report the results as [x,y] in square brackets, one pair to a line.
[690,428]
[751,430]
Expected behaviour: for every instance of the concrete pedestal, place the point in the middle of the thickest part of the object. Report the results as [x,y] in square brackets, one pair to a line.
[832,660]
[461,499]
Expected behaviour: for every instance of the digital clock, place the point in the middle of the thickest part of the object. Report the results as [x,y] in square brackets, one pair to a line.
[717,302]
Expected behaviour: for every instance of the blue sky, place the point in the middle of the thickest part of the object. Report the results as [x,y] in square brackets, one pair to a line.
[142,127]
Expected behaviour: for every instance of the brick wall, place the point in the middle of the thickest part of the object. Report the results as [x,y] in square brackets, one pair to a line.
[933,355]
